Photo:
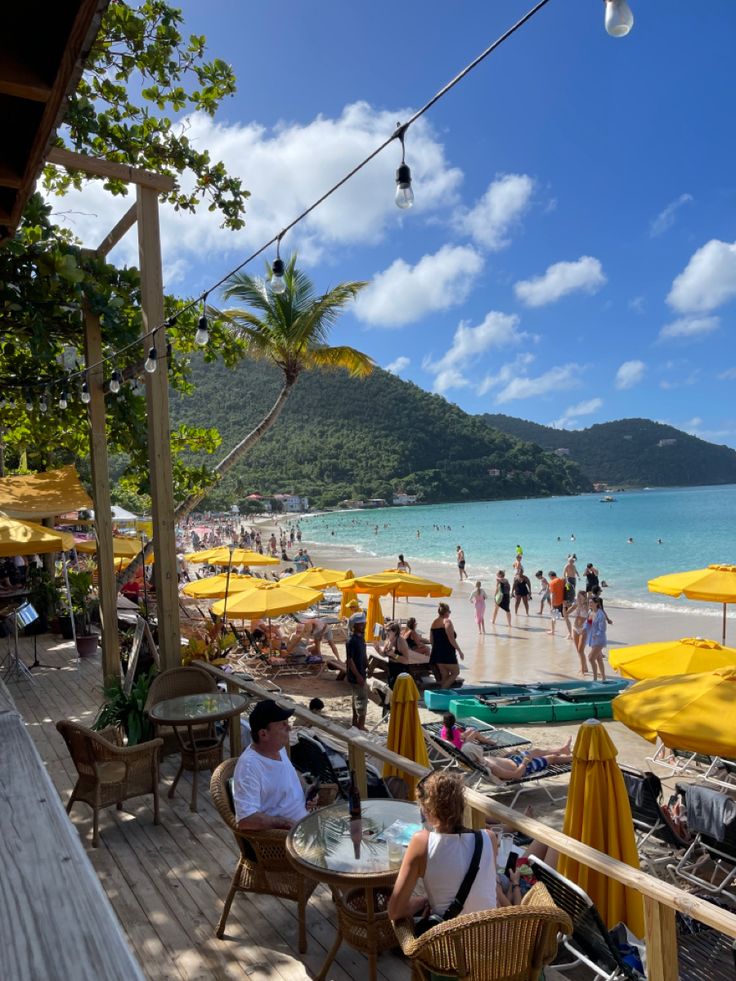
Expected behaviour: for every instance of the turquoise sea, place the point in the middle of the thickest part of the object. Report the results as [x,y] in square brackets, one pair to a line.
[696,525]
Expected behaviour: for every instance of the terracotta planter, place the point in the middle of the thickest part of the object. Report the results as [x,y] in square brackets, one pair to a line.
[87,646]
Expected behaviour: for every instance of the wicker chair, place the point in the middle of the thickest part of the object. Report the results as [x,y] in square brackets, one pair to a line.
[110,773]
[511,943]
[263,866]
[173,684]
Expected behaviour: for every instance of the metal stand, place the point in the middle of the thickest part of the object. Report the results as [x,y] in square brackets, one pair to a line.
[40,664]
[12,664]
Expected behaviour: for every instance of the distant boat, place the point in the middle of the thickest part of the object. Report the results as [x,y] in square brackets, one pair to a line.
[607,500]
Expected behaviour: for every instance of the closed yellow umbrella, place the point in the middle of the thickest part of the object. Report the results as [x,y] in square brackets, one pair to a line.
[226,556]
[374,615]
[691,655]
[714,584]
[267,599]
[405,735]
[598,814]
[687,711]
[317,577]
[215,587]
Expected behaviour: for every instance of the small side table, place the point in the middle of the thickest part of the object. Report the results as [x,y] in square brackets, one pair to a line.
[188,711]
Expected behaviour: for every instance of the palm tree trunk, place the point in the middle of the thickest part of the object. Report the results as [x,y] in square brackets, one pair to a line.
[186,507]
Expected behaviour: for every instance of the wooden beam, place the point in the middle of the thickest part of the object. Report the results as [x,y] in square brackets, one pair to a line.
[107,586]
[123,226]
[9,177]
[108,168]
[159,436]
[661,937]
[20,80]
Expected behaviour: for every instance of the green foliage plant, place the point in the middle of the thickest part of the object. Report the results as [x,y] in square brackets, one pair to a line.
[127,711]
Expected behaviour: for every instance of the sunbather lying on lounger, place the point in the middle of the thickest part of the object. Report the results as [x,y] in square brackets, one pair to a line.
[518,765]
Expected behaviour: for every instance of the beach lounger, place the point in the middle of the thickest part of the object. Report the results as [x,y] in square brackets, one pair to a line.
[680,762]
[704,954]
[710,860]
[653,826]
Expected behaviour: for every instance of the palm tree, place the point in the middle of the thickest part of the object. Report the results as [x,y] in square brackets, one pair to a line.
[290,330]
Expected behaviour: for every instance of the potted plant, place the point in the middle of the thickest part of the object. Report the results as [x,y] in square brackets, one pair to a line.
[45,597]
[80,588]
[126,712]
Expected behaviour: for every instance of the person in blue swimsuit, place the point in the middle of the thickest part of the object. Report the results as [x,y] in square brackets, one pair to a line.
[518,765]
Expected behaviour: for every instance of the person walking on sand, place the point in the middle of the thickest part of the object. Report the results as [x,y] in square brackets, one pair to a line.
[557,596]
[502,597]
[478,598]
[445,648]
[521,591]
[543,591]
[571,576]
[580,611]
[596,638]
[403,566]
[461,563]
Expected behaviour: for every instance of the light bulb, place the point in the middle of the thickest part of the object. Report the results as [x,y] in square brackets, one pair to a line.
[404,194]
[151,361]
[3,401]
[43,402]
[85,393]
[203,332]
[29,402]
[115,382]
[278,283]
[619,20]
[63,401]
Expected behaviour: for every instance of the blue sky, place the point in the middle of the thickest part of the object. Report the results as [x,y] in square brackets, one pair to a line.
[571,256]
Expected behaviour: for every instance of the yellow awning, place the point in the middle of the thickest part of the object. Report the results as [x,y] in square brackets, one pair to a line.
[43,495]
[27,538]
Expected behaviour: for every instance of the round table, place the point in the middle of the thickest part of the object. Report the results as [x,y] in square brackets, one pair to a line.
[359,865]
[189,711]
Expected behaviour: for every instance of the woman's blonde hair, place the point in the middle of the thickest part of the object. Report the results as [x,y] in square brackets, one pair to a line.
[443,796]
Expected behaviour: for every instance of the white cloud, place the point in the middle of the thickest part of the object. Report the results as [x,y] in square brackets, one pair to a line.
[506,373]
[689,327]
[286,168]
[666,218]
[585,274]
[557,379]
[569,418]
[468,343]
[728,375]
[403,294]
[500,208]
[708,280]
[397,366]
[637,304]
[630,373]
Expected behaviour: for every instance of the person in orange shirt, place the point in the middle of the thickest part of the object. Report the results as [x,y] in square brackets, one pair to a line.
[557,596]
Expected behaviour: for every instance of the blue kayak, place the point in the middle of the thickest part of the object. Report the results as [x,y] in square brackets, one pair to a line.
[565,706]
[439,700]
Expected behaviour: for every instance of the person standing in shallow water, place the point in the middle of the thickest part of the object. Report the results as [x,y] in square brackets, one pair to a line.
[461,563]
[502,597]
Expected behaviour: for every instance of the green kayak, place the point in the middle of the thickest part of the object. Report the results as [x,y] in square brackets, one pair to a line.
[565,707]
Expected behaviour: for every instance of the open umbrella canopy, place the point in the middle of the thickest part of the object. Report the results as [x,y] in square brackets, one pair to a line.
[598,814]
[691,655]
[395,583]
[405,735]
[267,599]
[223,556]
[714,584]
[28,538]
[122,547]
[215,587]
[317,577]
[691,711]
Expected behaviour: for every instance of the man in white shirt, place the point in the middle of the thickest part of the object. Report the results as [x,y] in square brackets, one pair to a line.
[267,791]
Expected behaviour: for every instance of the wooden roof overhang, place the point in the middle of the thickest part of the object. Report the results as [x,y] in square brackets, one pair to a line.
[42,51]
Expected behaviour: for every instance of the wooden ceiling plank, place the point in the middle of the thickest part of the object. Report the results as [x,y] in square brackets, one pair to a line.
[19,80]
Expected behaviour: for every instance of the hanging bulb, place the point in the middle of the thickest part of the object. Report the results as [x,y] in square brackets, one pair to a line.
[3,401]
[43,401]
[29,402]
[619,19]
[115,382]
[85,395]
[151,361]
[63,401]
[278,283]
[404,195]
[203,328]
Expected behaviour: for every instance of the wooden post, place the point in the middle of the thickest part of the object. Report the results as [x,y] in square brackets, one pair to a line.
[107,587]
[356,757]
[159,448]
[661,937]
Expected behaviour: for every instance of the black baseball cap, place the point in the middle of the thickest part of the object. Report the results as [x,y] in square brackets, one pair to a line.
[266,712]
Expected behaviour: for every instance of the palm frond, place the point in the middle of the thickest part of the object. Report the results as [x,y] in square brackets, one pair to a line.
[359,365]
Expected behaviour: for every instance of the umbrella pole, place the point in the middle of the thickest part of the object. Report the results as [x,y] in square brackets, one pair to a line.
[393,605]
[145,585]
[227,587]
[69,600]
[724,624]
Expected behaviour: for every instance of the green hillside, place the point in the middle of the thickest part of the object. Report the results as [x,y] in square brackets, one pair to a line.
[341,438]
[630,451]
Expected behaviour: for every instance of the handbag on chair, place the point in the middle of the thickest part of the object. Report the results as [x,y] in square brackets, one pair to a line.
[425,923]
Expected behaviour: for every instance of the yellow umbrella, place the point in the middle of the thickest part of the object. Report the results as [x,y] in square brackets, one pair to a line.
[715,584]
[598,814]
[28,538]
[348,595]
[215,587]
[405,735]
[690,655]
[374,615]
[122,548]
[267,599]
[224,556]
[687,711]
[317,577]
[396,584]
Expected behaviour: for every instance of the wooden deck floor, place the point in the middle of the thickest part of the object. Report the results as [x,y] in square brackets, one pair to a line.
[167,883]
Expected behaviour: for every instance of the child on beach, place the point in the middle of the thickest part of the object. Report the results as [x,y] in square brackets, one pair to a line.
[579,611]
[478,598]
[595,629]
[459,737]
[543,591]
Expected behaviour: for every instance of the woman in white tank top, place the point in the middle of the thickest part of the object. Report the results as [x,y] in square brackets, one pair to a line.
[440,857]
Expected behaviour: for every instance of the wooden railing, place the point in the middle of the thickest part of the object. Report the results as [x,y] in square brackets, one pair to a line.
[56,920]
[661,900]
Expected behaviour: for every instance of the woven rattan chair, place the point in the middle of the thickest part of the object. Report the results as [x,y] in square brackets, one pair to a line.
[263,866]
[512,943]
[174,683]
[110,773]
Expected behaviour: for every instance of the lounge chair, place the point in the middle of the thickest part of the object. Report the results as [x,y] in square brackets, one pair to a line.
[710,860]
[704,955]
[652,821]
[680,762]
